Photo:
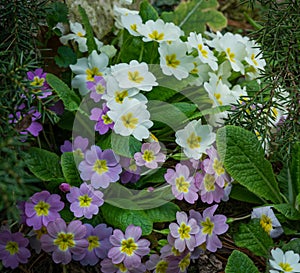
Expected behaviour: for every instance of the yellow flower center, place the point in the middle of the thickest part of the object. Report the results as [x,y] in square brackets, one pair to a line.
[85,201]
[184,263]
[230,55]
[175,251]
[184,231]
[172,61]
[100,166]
[195,70]
[78,152]
[254,60]
[128,246]
[209,182]
[286,267]
[266,223]
[193,141]
[203,52]
[120,96]
[218,167]
[121,267]
[37,81]
[79,34]
[161,266]
[274,112]
[148,156]
[64,241]
[133,27]
[181,184]
[207,226]
[106,119]
[218,98]
[93,242]
[132,167]
[91,73]
[156,36]
[100,89]
[129,121]
[135,76]
[41,232]
[42,208]
[12,247]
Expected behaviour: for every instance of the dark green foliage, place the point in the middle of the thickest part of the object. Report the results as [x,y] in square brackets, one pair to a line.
[280,43]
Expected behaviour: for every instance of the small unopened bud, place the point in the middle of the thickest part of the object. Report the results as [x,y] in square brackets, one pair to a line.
[64,187]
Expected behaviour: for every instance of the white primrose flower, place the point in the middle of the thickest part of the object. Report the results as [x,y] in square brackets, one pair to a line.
[204,53]
[78,36]
[116,94]
[268,220]
[132,22]
[119,12]
[87,68]
[287,262]
[131,118]
[200,70]
[134,74]
[159,31]
[195,138]
[174,61]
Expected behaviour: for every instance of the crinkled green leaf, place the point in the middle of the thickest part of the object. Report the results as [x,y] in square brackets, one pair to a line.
[292,245]
[147,11]
[239,262]
[122,218]
[195,15]
[161,93]
[91,44]
[240,193]
[65,56]
[44,165]
[56,13]
[254,237]
[243,158]
[69,169]
[70,99]
[288,211]
[164,213]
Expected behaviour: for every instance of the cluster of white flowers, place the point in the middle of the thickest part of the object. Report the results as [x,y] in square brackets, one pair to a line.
[207,62]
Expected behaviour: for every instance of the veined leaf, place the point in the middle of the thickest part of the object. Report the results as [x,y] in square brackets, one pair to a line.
[288,211]
[194,15]
[70,99]
[69,169]
[254,237]
[239,262]
[164,213]
[292,245]
[243,159]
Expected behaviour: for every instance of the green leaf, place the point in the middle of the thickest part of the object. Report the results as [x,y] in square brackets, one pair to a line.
[187,108]
[194,15]
[69,169]
[240,193]
[70,99]
[44,165]
[164,213]
[56,13]
[239,262]
[125,145]
[243,159]
[292,245]
[161,93]
[66,56]
[147,11]
[295,166]
[254,237]
[91,44]
[152,178]
[122,218]
[288,211]
[66,214]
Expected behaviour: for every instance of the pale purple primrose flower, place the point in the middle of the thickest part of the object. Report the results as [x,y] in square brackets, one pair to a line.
[63,240]
[157,264]
[131,172]
[37,80]
[284,262]
[78,147]
[150,155]
[128,248]
[13,249]
[210,227]
[42,208]
[103,121]
[97,88]
[184,232]
[100,167]
[98,239]
[107,266]
[85,201]
[183,185]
